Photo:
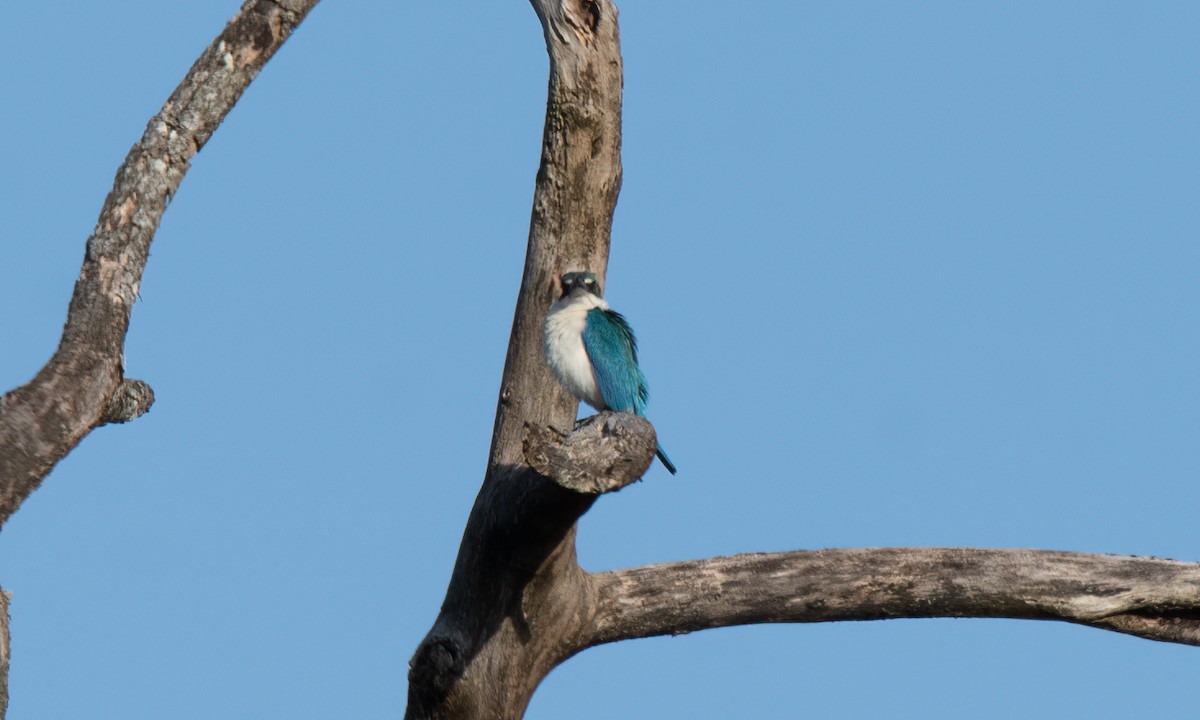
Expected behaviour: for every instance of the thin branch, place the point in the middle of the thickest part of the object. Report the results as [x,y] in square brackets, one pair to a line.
[1148,597]
[81,386]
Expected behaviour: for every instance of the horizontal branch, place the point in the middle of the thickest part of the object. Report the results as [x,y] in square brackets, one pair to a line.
[1147,597]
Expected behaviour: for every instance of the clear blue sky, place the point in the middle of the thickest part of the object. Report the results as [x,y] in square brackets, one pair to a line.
[903,274]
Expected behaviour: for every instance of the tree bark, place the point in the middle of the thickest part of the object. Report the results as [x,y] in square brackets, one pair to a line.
[83,385]
[516,586]
[1148,597]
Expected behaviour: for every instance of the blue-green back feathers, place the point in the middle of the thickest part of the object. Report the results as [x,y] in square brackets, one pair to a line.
[612,348]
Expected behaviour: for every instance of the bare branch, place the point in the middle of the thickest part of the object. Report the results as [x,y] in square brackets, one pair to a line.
[1148,597]
[81,386]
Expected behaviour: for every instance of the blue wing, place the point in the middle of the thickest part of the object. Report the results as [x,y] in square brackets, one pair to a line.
[612,349]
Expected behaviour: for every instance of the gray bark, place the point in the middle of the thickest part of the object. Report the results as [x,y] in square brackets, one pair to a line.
[1148,597]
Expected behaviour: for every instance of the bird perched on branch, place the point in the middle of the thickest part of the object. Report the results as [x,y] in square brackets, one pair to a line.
[593,352]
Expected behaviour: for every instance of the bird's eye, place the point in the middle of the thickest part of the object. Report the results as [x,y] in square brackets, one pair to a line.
[589,281]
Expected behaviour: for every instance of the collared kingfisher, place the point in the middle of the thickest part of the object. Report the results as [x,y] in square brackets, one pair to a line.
[593,352]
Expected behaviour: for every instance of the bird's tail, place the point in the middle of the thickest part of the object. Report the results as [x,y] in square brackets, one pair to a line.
[666,461]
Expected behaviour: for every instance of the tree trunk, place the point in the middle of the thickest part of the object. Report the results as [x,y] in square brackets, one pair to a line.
[517,593]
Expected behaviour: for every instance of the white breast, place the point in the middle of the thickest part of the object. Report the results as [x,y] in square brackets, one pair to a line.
[563,345]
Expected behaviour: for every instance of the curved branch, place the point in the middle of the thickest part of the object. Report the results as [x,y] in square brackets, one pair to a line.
[81,386]
[1148,597]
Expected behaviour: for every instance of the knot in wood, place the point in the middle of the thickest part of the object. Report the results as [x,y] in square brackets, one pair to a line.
[603,454]
[131,400]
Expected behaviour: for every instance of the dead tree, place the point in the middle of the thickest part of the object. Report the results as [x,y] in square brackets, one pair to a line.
[518,602]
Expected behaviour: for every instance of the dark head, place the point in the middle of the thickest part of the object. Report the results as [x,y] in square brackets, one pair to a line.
[580,281]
